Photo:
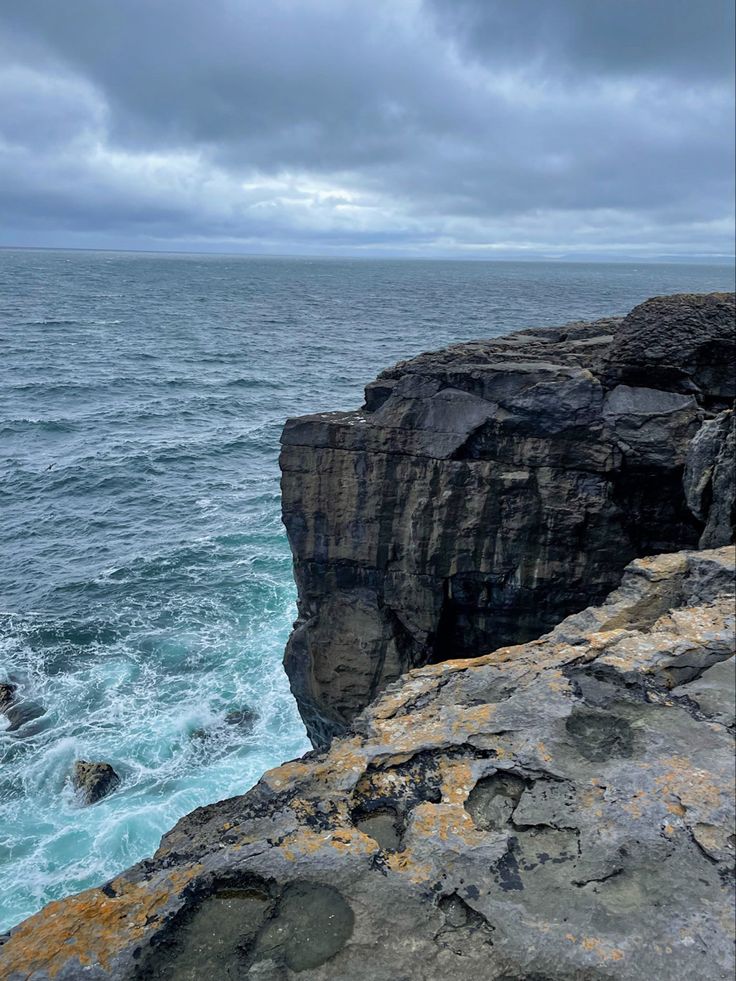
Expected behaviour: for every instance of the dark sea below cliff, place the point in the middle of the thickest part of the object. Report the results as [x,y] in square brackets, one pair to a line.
[145,579]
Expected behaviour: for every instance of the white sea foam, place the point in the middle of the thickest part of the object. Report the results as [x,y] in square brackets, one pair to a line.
[143,566]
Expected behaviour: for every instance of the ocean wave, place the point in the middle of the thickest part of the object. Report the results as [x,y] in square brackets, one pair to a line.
[145,571]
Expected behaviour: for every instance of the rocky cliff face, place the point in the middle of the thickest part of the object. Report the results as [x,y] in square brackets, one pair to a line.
[488,490]
[560,810]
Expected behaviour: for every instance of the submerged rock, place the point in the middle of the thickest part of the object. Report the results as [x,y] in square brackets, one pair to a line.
[244,718]
[488,490]
[561,809]
[7,695]
[16,709]
[93,781]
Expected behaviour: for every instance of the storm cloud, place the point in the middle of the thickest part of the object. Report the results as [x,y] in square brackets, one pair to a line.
[443,127]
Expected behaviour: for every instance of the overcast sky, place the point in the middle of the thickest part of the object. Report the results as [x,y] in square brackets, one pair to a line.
[404,127]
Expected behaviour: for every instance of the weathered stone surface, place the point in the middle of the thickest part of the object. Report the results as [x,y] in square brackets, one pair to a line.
[93,781]
[685,343]
[561,809]
[488,490]
[710,479]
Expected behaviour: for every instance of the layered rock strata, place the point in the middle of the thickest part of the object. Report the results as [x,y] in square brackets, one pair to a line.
[561,809]
[485,491]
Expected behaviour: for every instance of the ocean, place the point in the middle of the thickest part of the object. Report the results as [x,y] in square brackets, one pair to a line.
[145,578]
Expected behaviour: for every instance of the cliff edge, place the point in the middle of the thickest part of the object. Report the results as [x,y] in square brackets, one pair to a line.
[559,810]
[488,490]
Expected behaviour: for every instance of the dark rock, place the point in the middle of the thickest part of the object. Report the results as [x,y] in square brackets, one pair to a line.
[244,718]
[7,695]
[93,781]
[16,709]
[710,479]
[559,810]
[681,343]
[488,490]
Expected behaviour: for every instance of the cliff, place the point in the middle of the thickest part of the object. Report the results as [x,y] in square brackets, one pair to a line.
[486,491]
[557,810]
[560,809]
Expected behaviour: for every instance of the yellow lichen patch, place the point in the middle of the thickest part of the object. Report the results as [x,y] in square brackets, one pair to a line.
[590,796]
[499,656]
[556,680]
[391,703]
[282,777]
[675,807]
[604,951]
[602,639]
[426,730]
[693,788]
[442,822]
[90,927]
[467,721]
[665,565]
[405,863]
[343,766]
[457,781]
[633,805]
[304,843]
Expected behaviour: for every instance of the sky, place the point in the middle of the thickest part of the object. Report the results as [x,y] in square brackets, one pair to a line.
[468,128]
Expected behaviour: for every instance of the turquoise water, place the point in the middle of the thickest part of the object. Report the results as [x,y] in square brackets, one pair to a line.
[145,580]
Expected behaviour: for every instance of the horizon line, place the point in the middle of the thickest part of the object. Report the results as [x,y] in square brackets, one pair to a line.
[717,258]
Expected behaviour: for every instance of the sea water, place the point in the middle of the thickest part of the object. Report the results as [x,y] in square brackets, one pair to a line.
[145,578]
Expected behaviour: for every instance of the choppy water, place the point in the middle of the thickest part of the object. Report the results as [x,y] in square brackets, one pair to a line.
[145,581]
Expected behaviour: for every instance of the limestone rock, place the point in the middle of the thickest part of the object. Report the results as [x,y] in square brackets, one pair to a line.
[93,781]
[561,809]
[685,343]
[488,490]
[710,479]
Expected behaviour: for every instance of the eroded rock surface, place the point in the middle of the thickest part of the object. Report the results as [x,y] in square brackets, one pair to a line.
[558,810]
[488,490]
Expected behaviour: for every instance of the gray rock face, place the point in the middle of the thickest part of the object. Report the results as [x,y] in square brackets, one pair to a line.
[488,490]
[93,781]
[710,479]
[559,810]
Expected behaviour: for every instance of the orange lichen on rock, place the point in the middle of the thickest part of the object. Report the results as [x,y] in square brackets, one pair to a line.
[305,843]
[92,926]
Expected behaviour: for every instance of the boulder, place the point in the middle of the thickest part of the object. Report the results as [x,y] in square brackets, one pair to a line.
[93,781]
[684,343]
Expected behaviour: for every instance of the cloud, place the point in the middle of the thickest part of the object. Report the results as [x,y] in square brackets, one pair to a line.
[450,126]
